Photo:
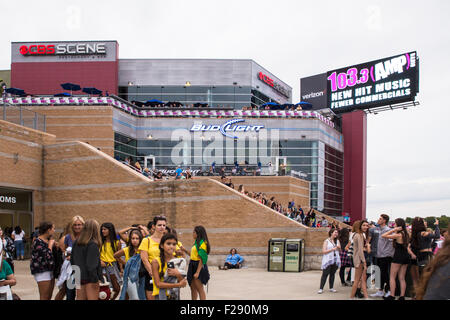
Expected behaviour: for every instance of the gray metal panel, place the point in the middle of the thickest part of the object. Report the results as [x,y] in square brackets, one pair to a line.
[111,52]
[199,72]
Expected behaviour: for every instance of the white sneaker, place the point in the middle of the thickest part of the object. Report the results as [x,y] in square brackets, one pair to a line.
[333,290]
[320,291]
[387,294]
[377,294]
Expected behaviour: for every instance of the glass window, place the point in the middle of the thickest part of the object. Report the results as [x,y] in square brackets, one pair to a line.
[124,139]
[224,89]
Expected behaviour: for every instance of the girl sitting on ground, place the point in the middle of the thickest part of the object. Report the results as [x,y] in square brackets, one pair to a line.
[233,261]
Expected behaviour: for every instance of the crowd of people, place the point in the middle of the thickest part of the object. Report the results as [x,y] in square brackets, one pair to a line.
[398,252]
[138,262]
[292,211]
[161,104]
[178,173]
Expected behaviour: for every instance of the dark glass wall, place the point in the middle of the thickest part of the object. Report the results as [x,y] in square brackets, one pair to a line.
[221,96]
[334,181]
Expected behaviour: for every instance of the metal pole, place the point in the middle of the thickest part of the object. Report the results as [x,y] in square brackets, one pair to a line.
[20,117]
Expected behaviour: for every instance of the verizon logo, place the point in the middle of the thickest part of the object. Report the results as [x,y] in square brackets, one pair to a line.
[313,95]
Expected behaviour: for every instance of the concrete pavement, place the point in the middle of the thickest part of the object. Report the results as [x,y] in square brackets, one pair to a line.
[242,284]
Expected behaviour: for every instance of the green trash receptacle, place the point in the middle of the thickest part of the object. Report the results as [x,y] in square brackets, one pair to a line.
[294,255]
[276,254]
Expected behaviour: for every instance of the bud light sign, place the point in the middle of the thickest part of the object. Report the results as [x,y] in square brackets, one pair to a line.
[372,84]
[227,129]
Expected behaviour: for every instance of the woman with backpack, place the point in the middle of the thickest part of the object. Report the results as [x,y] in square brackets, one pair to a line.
[134,241]
[149,250]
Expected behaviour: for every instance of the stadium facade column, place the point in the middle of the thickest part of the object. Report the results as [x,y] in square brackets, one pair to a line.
[354,129]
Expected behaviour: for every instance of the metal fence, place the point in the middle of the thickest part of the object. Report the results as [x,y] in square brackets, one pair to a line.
[22,116]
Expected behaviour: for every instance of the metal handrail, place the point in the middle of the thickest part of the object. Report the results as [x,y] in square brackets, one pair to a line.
[22,117]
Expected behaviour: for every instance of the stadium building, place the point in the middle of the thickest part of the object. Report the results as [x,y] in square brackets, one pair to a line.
[79,138]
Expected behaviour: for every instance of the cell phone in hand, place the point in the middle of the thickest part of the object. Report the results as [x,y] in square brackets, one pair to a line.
[170,265]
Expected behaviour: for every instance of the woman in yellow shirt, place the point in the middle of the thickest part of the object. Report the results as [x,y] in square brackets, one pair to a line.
[167,248]
[134,237]
[198,273]
[110,265]
[149,250]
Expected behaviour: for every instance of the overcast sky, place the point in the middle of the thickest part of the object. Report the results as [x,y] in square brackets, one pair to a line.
[408,153]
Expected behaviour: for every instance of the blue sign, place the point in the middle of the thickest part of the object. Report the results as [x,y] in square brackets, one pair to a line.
[226,128]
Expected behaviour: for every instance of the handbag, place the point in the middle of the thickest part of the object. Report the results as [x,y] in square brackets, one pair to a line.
[142,270]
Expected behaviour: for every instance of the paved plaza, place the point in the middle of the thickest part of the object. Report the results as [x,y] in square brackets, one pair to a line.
[243,284]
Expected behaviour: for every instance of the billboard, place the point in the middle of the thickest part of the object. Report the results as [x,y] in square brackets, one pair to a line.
[64,51]
[377,83]
[314,90]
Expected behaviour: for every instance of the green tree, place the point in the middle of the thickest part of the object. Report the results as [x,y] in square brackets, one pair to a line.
[443,222]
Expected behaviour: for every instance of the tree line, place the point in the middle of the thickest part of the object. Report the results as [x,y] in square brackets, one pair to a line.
[443,221]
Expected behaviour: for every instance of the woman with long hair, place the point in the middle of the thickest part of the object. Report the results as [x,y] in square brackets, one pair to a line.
[110,265]
[331,260]
[149,250]
[435,281]
[7,278]
[42,261]
[346,260]
[86,255]
[359,261]
[198,273]
[134,241]
[401,258]
[8,248]
[167,247]
[18,235]
[71,234]
[420,245]
[75,227]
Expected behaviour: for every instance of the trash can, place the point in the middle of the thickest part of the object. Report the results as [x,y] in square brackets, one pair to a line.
[276,254]
[294,255]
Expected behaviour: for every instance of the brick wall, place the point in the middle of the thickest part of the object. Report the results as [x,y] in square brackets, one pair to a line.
[21,159]
[74,178]
[92,124]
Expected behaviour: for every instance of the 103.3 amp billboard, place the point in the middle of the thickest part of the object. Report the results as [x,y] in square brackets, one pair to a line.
[368,85]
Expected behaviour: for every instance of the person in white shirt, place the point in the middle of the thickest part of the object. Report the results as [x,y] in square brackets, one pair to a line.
[331,260]
[18,236]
